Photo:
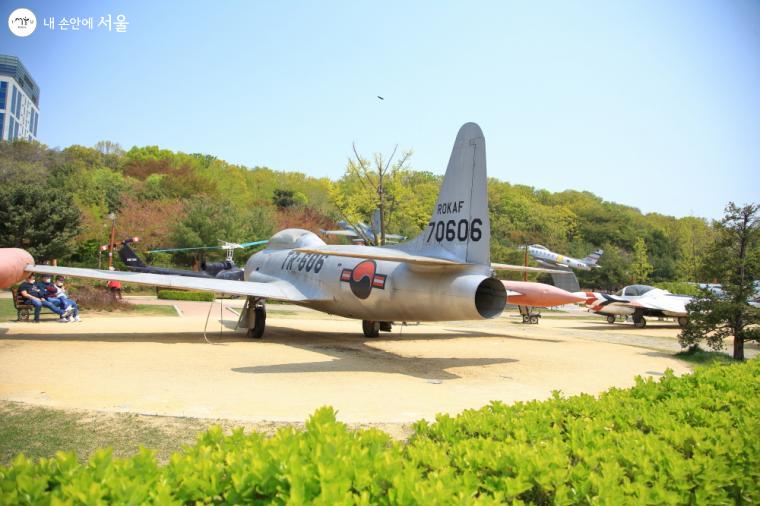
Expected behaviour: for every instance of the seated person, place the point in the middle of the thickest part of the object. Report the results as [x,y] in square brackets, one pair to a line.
[44,286]
[32,294]
[58,292]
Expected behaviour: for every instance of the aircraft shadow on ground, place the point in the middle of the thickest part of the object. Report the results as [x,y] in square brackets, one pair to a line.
[351,352]
[288,335]
[355,354]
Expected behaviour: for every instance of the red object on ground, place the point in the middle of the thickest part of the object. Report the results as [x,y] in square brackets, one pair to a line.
[13,262]
[114,284]
[538,294]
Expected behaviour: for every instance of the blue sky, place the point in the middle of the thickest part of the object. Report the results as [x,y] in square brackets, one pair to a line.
[647,103]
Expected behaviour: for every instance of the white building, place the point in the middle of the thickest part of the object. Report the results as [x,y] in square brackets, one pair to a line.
[19,101]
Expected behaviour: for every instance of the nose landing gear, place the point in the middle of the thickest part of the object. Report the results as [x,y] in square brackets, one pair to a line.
[254,317]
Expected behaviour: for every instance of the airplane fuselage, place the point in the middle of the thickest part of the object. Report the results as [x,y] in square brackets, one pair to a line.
[656,304]
[382,290]
[551,258]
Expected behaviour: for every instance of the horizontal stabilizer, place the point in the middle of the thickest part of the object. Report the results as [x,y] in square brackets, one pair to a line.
[347,233]
[279,290]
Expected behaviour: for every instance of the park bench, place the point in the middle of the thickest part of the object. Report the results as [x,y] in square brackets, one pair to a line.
[24,310]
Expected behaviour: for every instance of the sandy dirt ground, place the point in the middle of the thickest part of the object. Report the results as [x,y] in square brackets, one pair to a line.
[163,365]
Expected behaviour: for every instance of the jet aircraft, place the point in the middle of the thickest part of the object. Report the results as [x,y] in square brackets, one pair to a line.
[638,301]
[544,256]
[445,273]
[363,233]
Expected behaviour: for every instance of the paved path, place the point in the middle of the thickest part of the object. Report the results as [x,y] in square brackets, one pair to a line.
[162,365]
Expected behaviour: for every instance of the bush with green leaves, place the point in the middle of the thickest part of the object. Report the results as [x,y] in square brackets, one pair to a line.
[680,288]
[185,295]
[681,440]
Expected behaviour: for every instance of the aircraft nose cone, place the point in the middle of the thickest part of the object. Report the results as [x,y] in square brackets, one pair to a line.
[13,262]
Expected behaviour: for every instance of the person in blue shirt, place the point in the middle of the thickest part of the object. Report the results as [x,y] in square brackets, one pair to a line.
[32,294]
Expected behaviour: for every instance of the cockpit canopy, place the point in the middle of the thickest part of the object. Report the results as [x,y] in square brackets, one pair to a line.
[294,238]
[635,290]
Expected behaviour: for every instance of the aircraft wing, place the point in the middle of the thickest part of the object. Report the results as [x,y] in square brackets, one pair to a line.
[347,233]
[524,268]
[400,256]
[278,290]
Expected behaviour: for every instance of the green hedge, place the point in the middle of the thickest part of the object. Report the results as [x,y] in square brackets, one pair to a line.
[682,440]
[185,295]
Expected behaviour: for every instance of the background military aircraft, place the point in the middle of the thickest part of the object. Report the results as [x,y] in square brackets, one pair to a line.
[445,273]
[638,301]
[544,256]
[363,233]
[220,270]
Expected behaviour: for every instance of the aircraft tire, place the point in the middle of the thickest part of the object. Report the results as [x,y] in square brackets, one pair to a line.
[610,318]
[682,321]
[257,331]
[639,322]
[371,328]
[534,320]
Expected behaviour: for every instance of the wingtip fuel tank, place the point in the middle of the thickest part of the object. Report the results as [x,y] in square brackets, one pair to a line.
[539,294]
[13,262]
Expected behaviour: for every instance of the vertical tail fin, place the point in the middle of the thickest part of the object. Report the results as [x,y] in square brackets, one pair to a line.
[459,228]
[129,257]
[594,257]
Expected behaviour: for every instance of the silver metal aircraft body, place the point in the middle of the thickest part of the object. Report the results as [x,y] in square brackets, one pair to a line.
[445,273]
[638,301]
[546,257]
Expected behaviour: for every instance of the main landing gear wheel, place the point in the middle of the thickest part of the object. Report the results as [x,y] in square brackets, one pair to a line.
[370,328]
[639,322]
[610,318]
[257,331]
[682,321]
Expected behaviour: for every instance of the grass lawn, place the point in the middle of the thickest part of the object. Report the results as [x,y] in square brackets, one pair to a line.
[41,432]
[8,312]
[697,355]
[152,310]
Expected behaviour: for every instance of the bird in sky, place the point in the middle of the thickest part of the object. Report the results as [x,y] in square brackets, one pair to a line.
[381,98]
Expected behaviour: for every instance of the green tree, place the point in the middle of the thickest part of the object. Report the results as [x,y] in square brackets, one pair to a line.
[207,222]
[288,198]
[694,237]
[735,257]
[366,188]
[640,266]
[39,219]
[613,271]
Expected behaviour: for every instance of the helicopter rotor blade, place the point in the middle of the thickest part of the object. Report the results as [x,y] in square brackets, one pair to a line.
[233,246]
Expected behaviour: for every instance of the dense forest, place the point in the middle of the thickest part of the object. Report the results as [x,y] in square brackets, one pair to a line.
[55,203]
